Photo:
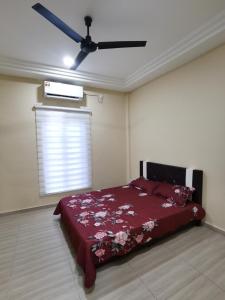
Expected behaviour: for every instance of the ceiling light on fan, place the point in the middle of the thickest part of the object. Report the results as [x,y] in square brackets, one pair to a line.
[86,44]
[68,61]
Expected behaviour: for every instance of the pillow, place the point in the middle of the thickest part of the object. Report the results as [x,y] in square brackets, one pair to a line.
[144,184]
[178,195]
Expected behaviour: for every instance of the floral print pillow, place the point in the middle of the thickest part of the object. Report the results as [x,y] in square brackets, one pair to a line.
[145,185]
[177,195]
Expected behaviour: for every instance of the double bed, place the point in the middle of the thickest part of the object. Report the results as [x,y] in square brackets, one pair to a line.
[112,222]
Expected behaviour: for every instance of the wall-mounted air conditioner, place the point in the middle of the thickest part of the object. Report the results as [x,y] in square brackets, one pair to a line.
[63,91]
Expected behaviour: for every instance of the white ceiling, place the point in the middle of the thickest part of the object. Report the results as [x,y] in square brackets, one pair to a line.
[176,30]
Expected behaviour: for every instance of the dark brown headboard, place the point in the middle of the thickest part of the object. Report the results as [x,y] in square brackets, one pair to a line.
[173,175]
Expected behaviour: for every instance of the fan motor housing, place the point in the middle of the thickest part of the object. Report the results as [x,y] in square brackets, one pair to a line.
[87,45]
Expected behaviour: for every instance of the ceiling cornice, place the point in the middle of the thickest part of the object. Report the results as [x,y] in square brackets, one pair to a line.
[161,64]
[198,42]
[23,68]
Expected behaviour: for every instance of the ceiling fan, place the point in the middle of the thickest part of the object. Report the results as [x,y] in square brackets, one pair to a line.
[86,44]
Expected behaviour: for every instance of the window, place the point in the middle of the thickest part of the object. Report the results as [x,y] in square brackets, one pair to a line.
[64,149]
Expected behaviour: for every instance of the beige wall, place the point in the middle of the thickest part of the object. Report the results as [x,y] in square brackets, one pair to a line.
[179,119]
[18,159]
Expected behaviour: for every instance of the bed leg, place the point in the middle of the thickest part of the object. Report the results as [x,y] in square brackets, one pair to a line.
[198,223]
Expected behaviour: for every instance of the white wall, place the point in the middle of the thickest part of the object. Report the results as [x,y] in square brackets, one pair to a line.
[178,119]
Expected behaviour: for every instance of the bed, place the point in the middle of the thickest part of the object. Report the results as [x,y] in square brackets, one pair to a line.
[112,222]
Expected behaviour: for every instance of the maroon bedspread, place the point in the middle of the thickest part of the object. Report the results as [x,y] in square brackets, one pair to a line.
[112,222]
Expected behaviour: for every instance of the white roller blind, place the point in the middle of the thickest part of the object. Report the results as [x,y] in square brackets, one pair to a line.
[64,150]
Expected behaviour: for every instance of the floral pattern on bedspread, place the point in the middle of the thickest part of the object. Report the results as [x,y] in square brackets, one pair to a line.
[98,214]
[121,242]
[112,222]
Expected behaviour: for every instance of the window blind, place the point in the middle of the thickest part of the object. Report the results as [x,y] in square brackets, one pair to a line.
[64,150]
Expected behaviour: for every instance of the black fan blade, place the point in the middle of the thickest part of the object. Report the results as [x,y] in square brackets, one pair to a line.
[125,44]
[57,22]
[80,57]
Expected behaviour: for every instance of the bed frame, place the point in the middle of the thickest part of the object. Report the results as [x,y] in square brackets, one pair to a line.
[162,173]
[174,175]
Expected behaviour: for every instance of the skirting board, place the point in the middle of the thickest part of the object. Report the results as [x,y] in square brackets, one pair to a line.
[215,228]
[27,209]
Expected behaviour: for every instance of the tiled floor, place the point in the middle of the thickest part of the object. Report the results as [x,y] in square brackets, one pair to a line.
[36,262]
